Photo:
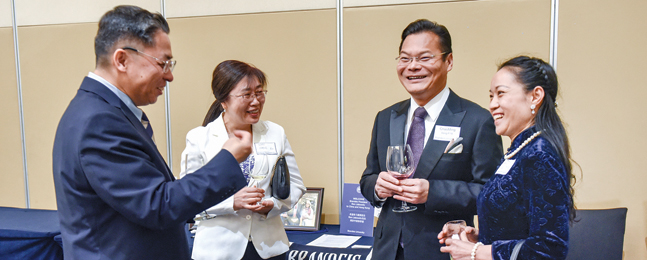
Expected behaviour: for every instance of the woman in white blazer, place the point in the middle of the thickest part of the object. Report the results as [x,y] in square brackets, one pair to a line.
[246,225]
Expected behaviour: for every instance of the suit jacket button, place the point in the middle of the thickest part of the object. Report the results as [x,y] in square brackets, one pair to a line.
[248,217]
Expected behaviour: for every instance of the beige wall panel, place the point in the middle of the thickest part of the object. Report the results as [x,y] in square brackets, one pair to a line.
[42,12]
[484,33]
[12,185]
[51,75]
[5,14]
[601,66]
[358,3]
[297,51]
[188,8]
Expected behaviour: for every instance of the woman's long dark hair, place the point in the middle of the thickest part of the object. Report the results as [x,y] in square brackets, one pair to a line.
[533,72]
[225,77]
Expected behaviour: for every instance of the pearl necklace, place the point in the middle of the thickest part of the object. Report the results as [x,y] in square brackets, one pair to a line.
[510,155]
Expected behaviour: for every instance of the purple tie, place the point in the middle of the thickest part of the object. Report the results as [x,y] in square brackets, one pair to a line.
[416,138]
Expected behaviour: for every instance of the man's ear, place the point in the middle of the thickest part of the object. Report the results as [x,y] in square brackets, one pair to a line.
[120,60]
[450,61]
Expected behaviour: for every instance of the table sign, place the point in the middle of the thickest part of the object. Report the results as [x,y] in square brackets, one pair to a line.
[356,212]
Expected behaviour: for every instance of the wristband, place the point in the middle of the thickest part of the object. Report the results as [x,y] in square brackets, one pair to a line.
[474,250]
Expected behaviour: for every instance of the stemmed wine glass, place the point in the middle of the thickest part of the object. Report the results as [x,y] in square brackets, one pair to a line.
[255,178]
[400,165]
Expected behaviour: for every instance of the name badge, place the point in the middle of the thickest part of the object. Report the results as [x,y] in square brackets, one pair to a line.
[446,133]
[265,148]
[505,167]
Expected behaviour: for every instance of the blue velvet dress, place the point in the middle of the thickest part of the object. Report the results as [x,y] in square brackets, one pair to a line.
[530,201]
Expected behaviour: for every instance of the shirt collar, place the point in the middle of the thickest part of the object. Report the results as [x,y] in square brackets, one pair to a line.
[433,107]
[120,94]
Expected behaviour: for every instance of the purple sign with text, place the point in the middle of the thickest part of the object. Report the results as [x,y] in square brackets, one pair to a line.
[356,213]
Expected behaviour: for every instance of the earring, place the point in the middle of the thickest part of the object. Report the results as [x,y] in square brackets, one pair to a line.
[532,107]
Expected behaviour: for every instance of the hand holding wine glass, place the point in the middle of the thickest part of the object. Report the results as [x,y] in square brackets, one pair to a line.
[399,164]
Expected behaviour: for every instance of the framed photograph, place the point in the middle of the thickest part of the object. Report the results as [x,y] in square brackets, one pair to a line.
[306,214]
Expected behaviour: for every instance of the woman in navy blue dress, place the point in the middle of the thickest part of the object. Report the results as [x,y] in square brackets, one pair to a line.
[529,201]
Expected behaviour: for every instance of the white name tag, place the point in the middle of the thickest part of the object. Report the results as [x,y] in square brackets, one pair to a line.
[446,133]
[265,148]
[505,167]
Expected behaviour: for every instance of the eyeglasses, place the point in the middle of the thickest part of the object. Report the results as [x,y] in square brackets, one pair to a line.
[167,65]
[260,95]
[426,59]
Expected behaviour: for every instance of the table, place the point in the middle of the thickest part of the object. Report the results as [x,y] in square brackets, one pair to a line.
[300,251]
[29,234]
[32,234]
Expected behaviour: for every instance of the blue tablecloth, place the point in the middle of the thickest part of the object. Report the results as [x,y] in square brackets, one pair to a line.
[35,234]
[29,234]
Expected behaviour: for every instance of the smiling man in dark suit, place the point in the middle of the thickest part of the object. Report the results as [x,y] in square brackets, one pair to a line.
[454,146]
[116,197]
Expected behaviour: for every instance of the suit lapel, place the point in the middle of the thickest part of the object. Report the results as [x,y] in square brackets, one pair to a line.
[96,87]
[451,115]
[142,131]
[398,122]
[136,123]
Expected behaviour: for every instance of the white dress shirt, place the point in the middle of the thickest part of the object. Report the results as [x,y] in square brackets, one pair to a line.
[433,107]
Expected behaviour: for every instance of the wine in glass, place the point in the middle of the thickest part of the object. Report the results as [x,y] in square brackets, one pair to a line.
[257,177]
[399,163]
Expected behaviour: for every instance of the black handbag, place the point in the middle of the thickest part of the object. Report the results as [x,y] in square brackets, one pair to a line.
[281,179]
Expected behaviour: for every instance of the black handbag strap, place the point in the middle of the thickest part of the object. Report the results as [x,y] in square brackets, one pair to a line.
[515,250]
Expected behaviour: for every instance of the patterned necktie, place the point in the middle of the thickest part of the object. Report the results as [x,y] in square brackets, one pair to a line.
[147,126]
[416,138]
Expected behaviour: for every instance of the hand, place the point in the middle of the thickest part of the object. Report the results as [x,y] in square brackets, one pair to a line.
[471,234]
[387,185]
[266,206]
[239,145]
[247,198]
[462,250]
[468,233]
[414,191]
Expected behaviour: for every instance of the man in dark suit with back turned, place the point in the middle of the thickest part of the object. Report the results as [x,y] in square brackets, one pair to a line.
[117,198]
[446,181]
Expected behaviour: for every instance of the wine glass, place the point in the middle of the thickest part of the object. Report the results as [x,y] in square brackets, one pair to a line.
[454,227]
[255,178]
[400,166]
